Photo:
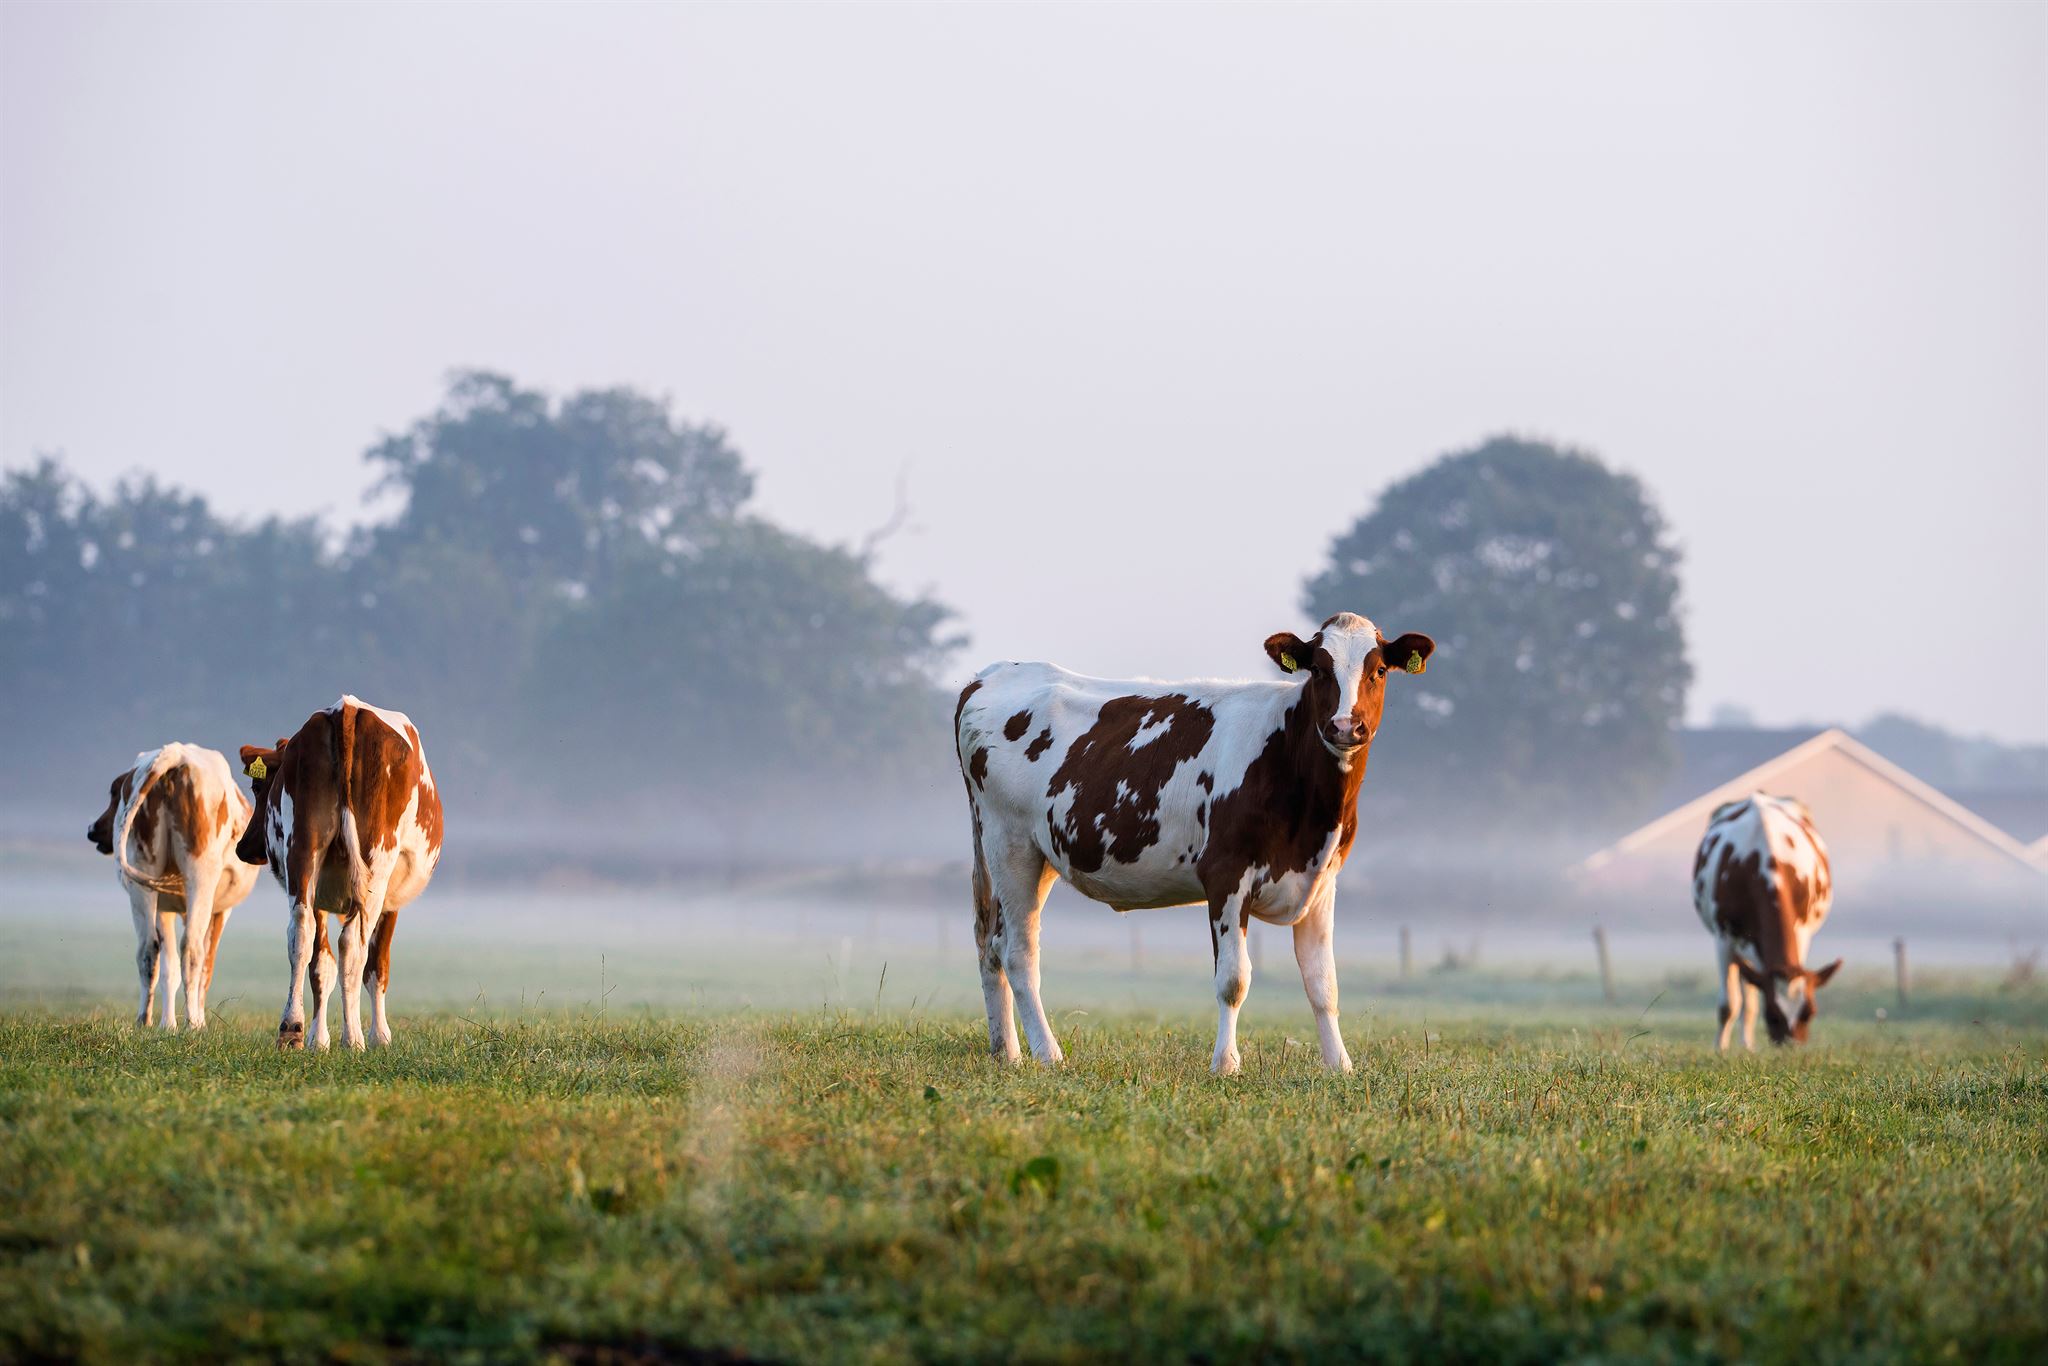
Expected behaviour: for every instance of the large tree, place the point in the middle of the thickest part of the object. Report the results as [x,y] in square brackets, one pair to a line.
[571,598]
[1551,586]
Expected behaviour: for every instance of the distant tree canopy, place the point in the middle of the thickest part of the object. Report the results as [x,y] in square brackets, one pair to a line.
[570,592]
[1551,588]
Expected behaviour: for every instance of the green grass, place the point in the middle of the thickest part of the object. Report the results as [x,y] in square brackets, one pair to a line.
[840,1185]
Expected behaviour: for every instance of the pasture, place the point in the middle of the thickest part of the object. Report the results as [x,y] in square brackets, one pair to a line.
[1517,1170]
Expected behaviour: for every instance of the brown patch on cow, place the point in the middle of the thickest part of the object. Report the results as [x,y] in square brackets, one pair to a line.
[347,759]
[1206,781]
[213,933]
[379,964]
[1014,728]
[960,707]
[1040,743]
[977,766]
[1281,815]
[1115,808]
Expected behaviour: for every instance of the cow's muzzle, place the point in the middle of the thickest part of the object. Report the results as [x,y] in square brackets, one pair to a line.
[1345,735]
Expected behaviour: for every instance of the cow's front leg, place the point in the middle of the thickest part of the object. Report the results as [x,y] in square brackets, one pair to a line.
[1731,995]
[1315,954]
[1228,925]
[298,953]
[1752,1006]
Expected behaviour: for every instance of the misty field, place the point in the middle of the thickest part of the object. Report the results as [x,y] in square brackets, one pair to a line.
[847,1184]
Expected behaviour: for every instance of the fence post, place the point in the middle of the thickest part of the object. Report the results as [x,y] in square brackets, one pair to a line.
[1606,967]
[1407,956]
[1899,967]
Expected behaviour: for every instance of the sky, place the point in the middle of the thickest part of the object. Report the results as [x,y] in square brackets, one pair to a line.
[1143,304]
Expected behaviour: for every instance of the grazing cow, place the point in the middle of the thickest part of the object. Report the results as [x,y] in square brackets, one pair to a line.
[1761,885]
[1140,794]
[349,821]
[171,824]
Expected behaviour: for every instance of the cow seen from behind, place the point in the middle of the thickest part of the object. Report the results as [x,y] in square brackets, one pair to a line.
[349,822]
[171,823]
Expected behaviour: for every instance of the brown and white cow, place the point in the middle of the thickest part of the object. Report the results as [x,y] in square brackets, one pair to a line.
[350,823]
[171,824]
[1762,887]
[1141,794]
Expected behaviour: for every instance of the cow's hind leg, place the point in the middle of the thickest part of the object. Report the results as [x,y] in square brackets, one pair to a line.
[200,885]
[1752,1005]
[323,973]
[1018,880]
[988,957]
[148,951]
[167,954]
[298,953]
[379,975]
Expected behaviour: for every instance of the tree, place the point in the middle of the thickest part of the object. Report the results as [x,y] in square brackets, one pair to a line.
[1552,589]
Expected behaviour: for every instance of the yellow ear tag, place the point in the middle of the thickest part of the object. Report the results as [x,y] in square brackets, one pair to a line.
[1287,661]
[1414,664]
[257,769]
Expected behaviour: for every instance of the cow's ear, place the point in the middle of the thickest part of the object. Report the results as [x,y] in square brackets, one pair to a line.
[1410,653]
[257,762]
[1820,979]
[1288,650]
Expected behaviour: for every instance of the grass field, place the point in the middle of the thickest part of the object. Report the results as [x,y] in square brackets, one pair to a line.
[847,1184]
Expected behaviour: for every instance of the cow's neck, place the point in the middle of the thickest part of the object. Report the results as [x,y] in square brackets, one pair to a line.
[1329,789]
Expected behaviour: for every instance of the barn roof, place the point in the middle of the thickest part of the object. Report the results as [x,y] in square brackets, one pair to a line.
[1938,805]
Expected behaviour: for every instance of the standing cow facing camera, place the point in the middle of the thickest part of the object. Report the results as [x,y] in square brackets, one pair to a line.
[1142,794]
[171,824]
[349,821]
[1762,886]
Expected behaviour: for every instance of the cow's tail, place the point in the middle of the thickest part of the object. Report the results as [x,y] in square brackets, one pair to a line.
[351,833]
[162,762]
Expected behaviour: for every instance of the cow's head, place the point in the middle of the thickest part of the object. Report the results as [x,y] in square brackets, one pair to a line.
[261,766]
[1347,663]
[101,831]
[1790,1001]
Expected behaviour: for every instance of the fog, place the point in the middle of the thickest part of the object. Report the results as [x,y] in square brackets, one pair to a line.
[1078,334]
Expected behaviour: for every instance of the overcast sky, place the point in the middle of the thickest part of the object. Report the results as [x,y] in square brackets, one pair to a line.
[1147,301]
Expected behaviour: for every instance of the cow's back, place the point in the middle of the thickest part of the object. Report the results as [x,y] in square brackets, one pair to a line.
[1113,781]
[1761,879]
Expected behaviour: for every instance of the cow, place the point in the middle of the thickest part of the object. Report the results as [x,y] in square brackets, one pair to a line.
[1242,795]
[171,823]
[1762,886]
[349,822]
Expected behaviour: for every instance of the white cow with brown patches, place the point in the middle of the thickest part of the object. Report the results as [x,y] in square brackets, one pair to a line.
[349,821]
[1143,794]
[171,823]
[1762,886]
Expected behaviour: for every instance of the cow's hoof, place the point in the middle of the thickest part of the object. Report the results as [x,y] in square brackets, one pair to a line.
[291,1037]
[1227,1065]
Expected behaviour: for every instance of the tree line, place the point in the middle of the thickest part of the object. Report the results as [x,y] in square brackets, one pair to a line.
[576,597]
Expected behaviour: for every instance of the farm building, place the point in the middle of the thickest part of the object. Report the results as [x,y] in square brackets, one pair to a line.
[1894,839]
